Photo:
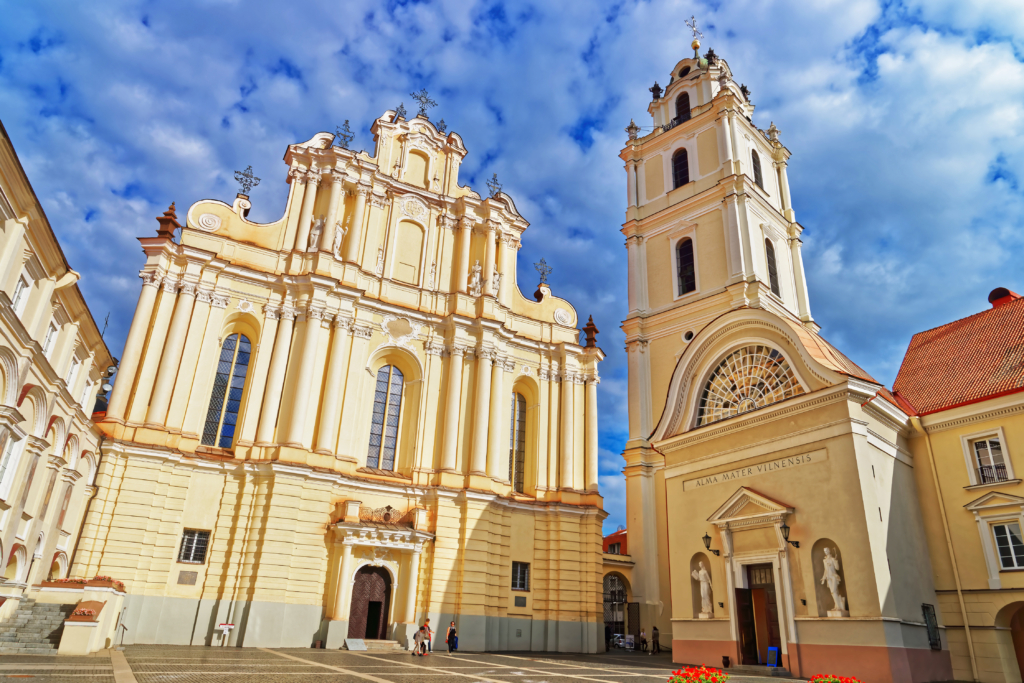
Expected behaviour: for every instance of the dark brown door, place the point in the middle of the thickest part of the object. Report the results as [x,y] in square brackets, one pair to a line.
[763,576]
[745,621]
[371,595]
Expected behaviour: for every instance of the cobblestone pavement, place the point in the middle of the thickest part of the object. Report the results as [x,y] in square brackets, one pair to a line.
[181,664]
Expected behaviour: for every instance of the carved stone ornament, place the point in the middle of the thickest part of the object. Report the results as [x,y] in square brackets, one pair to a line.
[507,364]
[475,284]
[315,313]
[379,202]
[220,300]
[244,306]
[495,278]
[289,313]
[434,348]
[563,317]
[208,222]
[362,330]
[204,296]
[459,350]
[271,312]
[525,370]
[380,556]
[150,277]
[315,231]
[414,208]
[188,288]
[379,270]
[343,322]
[170,284]
[399,331]
[446,222]
[433,275]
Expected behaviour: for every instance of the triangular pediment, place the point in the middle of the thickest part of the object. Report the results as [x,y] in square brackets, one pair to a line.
[747,503]
[994,499]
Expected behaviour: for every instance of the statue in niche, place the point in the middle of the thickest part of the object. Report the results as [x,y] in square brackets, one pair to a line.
[339,235]
[380,260]
[475,284]
[496,278]
[314,234]
[832,579]
[433,274]
[704,578]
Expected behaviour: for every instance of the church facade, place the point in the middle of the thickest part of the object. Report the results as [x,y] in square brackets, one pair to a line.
[348,420]
[772,501]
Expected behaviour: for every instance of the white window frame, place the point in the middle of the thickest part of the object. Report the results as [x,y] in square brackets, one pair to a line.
[689,232]
[72,377]
[992,530]
[85,393]
[22,291]
[967,443]
[7,481]
[50,340]
[690,145]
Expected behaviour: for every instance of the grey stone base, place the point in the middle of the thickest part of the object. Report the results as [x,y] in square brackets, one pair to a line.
[337,632]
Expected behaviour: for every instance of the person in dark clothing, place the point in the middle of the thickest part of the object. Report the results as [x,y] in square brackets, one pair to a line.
[655,645]
[452,638]
[608,637]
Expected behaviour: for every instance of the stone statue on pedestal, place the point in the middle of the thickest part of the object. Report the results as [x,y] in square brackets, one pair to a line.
[475,283]
[314,234]
[832,578]
[704,579]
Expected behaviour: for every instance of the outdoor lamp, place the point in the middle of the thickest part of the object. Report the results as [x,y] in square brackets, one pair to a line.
[707,544]
[785,535]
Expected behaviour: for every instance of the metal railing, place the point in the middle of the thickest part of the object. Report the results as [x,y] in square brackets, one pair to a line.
[990,474]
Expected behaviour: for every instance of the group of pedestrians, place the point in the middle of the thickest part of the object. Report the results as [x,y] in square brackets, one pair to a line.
[642,646]
[424,638]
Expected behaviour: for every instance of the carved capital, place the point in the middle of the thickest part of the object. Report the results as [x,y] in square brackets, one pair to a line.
[188,288]
[507,364]
[338,177]
[487,355]
[204,295]
[150,278]
[446,222]
[467,222]
[314,178]
[170,284]
[491,225]
[297,174]
[343,322]
[363,190]
[272,312]
[434,348]
[362,330]
[219,300]
[379,202]
[593,379]
[315,313]
[459,350]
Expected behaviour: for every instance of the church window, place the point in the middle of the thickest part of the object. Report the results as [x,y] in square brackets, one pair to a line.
[685,270]
[20,295]
[680,168]
[773,270]
[387,408]
[988,458]
[685,70]
[193,546]
[1010,545]
[51,336]
[64,507]
[755,160]
[520,576]
[7,455]
[683,107]
[747,379]
[226,399]
[517,446]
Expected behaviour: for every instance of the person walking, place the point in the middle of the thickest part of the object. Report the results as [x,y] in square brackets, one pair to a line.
[430,636]
[643,640]
[655,645]
[452,638]
[417,642]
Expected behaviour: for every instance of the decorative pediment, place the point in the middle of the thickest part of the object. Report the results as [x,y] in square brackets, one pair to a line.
[747,507]
[995,499]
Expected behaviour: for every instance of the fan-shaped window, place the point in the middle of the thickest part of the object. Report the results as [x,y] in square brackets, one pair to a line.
[773,271]
[680,168]
[685,271]
[747,379]
[226,398]
[517,444]
[683,107]
[755,160]
[387,409]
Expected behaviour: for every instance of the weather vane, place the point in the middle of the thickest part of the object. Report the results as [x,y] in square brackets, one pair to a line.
[425,102]
[344,135]
[247,180]
[691,23]
[544,269]
[493,185]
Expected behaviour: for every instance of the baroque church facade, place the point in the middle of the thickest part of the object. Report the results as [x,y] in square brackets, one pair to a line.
[773,511]
[345,421]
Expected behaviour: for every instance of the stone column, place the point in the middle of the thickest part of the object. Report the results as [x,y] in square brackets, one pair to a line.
[498,434]
[304,375]
[356,231]
[566,464]
[481,401]
[551,377]
[334,217]
[146,375]
[462,264]
[506,265]
[411,585]
[275,378]
[306,214]
[171,360]
[330,411]
[344,591]
[355,396]
[488,274]
[799,279]
[133,347]
[591,440]
[453,401]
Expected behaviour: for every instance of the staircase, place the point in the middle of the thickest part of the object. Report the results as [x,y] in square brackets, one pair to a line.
[383,646]
[759,670]
[35,628]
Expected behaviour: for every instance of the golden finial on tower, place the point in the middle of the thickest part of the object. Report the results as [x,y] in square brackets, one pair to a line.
[691,23]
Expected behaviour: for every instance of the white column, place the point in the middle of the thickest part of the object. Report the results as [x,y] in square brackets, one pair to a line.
[799,280]
[355,397]
[306,214]
[453,402]
[566,464]
[630,183]
[488,274]
[462,265]
[498,429]
[275,378]
[551,376]
[506,266]
[304,375]
[356,231]
[412,580]
[133,346]
[634,273]
[171,360]
[481,401]
[330,411]
[344,590]
[335,218]
[591,440]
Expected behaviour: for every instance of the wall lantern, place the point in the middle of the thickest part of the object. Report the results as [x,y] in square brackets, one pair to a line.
[707,544]
[785,535]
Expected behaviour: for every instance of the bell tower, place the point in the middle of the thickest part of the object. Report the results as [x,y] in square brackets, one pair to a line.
[709,228]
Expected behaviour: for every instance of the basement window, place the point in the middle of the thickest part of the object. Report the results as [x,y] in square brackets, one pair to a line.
[520,576]
[193,546]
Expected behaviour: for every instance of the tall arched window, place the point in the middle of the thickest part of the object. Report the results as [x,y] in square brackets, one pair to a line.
[773,271]
[680,169]
[685,271]
[222,415]
[517,444]
[387,409]
[683,107]
[756,161]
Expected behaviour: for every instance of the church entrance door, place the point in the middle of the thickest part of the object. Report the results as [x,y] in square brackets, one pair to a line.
[763,613]
[371,597]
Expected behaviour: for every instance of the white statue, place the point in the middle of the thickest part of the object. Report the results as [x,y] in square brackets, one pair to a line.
[496,278]
[704,579]
[380,260]
[833,580]
[474,280]
[314,234]
[433,274]
[339,235]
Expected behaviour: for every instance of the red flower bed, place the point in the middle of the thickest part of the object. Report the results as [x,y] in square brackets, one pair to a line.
[831,678]
[701,674]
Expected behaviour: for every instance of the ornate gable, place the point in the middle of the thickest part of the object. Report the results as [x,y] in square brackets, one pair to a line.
[995,499]
[747,507]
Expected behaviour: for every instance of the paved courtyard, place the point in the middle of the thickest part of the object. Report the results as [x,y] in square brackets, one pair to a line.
[173,664]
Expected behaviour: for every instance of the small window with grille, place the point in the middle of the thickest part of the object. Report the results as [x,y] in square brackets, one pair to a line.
[520,576]
[193,546]
[932,622]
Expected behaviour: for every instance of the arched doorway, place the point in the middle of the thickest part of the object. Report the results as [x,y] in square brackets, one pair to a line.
[1009,623]
[616,604]
[371,598]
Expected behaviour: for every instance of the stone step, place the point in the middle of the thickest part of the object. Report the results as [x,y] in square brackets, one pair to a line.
[759,670]
[383,645]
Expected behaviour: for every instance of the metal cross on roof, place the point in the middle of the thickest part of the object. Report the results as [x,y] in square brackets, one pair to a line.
[425,102]
[246,179]
[493,185]
[344,135]
[691,23]
[544,269]
[400,112]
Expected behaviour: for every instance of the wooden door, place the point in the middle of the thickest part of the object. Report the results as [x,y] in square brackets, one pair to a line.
[745,622]
[763,576]
[772,614]
[372,587]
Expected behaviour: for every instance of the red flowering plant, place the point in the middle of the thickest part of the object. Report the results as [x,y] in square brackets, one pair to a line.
[698,674]
[76,582]
[832,678]
[84,613]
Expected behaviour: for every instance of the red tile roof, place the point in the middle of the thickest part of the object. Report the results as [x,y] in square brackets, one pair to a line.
[965,361]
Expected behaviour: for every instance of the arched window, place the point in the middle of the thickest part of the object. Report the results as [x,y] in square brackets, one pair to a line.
[680,169]
[747,379]
[387,409]
[685,271]
[683,107]
[222,415]
[517,444]
[756,161]
[773,271]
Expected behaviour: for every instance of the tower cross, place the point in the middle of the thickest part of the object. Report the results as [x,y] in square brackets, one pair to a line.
[493,185]
[544,269]
[246,179]
[425,102]
[691,23]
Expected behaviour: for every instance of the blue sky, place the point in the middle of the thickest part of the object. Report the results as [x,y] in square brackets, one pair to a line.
[904,119]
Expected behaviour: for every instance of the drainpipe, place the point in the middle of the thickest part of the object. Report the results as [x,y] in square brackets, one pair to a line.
[918,426]
[88,504]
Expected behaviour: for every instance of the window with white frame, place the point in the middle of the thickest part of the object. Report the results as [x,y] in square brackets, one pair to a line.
[85,392]
[1009,545]
[20,297]
[73,372]
[49,339]
[988,460]
[9,457]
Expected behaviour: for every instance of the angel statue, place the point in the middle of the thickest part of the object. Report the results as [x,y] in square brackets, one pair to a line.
[339,235]
[833,579]
[474,281]
[496,278]
[704,579]
[314,234]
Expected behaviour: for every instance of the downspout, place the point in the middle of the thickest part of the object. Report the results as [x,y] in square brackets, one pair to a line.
[916,422]
[88,504]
